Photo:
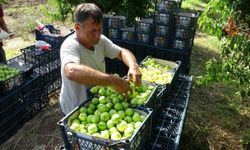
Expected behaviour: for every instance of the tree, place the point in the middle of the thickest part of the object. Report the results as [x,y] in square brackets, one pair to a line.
[119,7]
[229,20]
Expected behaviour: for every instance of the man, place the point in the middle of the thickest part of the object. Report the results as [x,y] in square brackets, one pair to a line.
[4,27]
[82,59]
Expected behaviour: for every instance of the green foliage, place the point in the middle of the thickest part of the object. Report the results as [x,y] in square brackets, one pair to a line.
[60,9]
[120,7]
[235,54]
[246,137]
[3,1]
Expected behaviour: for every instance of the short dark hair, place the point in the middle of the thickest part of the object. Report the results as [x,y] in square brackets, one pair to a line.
[85,11]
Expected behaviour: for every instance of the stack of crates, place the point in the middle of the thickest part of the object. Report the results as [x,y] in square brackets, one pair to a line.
[163,19]
[144,30]
[41,75]
[185,24]
[49,64]
[46,64]
[128,34]
[166,133]
[112,26]
[168,35]
[19,106]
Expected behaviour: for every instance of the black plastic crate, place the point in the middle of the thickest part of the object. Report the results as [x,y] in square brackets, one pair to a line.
[111,65]
[15,97]
[10,103]
[162,30]
[163,18]
[82,141]
[54,40]
[116,66]
[128,34]
[177,99]
[184,33]
[144,38]
[53,86]
[23,104]
[19,58]
[38,57]
[9,84]
[51,76]
[145,26]
[46,68]
[11,127]
[113,33]
[15,120]
[170,6]
[35,94]
[186,68]
[182,44]
[162,143]
[172,113]
[115,22]
[141,51]
[161,41]
[20,96]
[168,128]
[186,20]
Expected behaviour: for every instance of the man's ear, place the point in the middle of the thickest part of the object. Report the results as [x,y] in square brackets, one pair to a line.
[77,26]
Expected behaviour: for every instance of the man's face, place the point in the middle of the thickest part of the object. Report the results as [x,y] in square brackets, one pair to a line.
[89,32]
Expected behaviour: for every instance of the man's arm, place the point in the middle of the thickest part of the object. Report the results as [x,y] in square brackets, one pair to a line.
[4,26]
[129,59]
[89,76]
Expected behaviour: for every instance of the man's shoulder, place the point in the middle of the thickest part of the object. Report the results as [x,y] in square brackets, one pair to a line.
[70,40]
[104,39]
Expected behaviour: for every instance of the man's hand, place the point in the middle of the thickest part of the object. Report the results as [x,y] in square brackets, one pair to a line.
[121,85]
[134,75]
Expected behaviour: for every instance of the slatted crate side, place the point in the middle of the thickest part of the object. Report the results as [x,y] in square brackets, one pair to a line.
[48,67]
[53,86]
[128,34]
[10,103]
[39,57]
[11,83]
[170,6]
[10,128]
[27,103]
[114,22]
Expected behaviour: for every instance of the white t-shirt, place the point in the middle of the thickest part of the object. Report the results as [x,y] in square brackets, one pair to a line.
[73,93]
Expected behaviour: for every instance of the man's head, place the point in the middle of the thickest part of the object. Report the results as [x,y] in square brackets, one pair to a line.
[88,24]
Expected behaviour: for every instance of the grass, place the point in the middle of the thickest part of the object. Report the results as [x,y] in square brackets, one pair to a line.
[23,25]
[216,118]
[197,5]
